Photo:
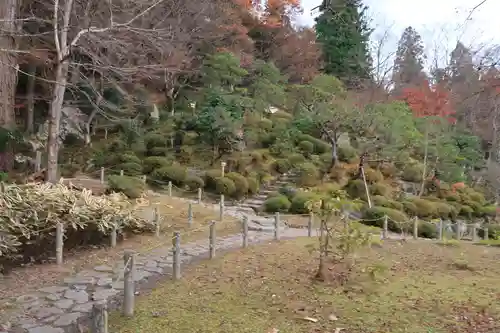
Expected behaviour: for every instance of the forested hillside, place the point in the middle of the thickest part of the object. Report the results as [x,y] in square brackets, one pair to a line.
[172,88]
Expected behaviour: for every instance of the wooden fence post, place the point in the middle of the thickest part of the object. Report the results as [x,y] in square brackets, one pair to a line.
[102,175]
[190,214]
[221,208]
[99,317]
[156,217]
[277,226]
[38,161]
[245,231]
[122,173]
[458,231]
[113,235]
[176,263]
[169,188]
[440,230]
[385,229]
[128,283]
[415,228]
[310,224]
[144,179]
[199,194]
[486,234]
[59,243]
[212,240]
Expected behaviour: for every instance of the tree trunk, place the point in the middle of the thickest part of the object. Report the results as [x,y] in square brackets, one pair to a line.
[30,100]
[55,120]
[321,274]
[424,171]
[8,63]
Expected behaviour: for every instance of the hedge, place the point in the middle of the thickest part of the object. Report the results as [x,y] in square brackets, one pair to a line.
[278,203]
[308,175]
[132,187]
[300,202]
[194,182]
[155,162]
[175,173]
[224,185]
[240,183]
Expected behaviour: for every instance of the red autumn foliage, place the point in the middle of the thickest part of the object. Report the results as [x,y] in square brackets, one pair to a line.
[429,101]
[457,186]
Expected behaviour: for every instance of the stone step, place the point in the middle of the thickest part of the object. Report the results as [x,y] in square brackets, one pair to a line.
[254,202]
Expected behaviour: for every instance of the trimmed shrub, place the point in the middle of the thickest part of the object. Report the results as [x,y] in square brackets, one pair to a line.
[282,166]
[210,177]
[382,201]
[253,185]
[356,189]
[175,173]
[346,153]
[157,151]
[375,216]
[320,146]
[451,196]
[442,210]
[424,208]
[240,183]
[373,176]
[194,182]
[412,173]
[299,202]
[296,159]
[265,124]
[155,162]
[308,175]
[306,147]
[427,230]
[132,187]
[127,158]
[493,231]
[152,140]
[389,170]
[224,185]
[489,211]
[380,189]
[466,211]
[130,168]
[337,174]
[279,203]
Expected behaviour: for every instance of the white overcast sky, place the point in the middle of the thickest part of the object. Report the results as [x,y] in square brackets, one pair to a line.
[440,22]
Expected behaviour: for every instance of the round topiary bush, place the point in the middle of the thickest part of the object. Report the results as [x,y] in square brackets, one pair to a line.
[424,208]
[346,154]
[132,187]
[194,182]
[380,189]
[356,189]
[296,159]
[282,166]
[412,173]
[265,124]
[306,147]
[375,216]
[320,146]
[442,210]
[224,185]
[308,175]
[155,162]
[373,176]
[253,185]
[300,202]
[130,169]
[427,230]
[389,170]
[466,211]
[337,174]
[277,204]
[175,173]
[210,177]
[240,183]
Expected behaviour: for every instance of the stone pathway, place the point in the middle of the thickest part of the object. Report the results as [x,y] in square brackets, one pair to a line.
[65,307]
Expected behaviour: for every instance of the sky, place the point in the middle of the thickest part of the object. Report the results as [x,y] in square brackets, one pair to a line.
[440,23]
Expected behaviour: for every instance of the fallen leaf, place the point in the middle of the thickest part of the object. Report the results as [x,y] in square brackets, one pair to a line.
[273,330]
[333,317]
[337,330]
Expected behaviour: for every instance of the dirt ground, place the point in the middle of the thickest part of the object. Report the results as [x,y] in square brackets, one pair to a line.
[412,287]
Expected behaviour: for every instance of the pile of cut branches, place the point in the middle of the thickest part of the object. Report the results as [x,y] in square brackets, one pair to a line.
[29,215]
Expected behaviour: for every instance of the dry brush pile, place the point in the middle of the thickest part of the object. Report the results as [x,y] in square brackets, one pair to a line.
[29,215]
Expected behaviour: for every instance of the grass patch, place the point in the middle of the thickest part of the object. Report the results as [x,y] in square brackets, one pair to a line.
[414,287]
[489,242]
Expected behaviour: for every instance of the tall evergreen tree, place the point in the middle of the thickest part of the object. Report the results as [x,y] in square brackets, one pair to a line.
[409,62]
[343,31]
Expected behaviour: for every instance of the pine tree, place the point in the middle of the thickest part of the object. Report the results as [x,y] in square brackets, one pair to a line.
[342,30]
[408,68]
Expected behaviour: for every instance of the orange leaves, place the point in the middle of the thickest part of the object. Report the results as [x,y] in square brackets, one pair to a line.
[426,100]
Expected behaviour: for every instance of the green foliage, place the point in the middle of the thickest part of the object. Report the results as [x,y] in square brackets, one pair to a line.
[356,189]
[155,162]
[306,147]
[389,170]
[375,216]
[282,166]
[253,185]
[300,202]
[210,178]
[421,208]
[373,176]
[131,168]
[240,183]
[493,231]
[222,70]
[194,182]
[412,173]
[427,230]
[224,185]
[319,146]
[296,160]
[308,175]
[175,173]
[278,203]
[380,189]
[346,153]
[132,187]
